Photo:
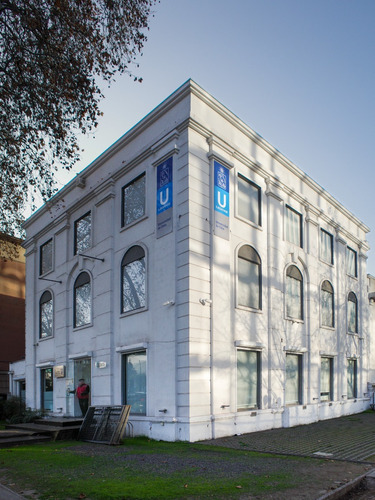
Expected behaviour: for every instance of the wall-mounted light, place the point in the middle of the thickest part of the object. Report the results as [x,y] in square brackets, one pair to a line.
[205,301]
[164,410]
[170,302]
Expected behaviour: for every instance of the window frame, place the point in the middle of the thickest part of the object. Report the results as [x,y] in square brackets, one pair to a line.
[75,287]
[43,272]
[331,375]
[287,296]
[289,208]
[245,179]
[123,189]
[299,357]
[259,264]
[331,260]
[76,252]
[257,406]
[46,292]
[332,293]
[145,282]
[125,398]
[352,295]
[355,377]
[355,254]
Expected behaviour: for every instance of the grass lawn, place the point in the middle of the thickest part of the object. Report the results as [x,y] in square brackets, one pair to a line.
[144,469]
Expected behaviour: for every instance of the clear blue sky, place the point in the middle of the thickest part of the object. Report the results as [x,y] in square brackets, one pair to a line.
[300,72]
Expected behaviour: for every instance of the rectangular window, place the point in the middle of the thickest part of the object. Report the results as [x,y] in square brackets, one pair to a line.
[352,379]
[133,200]
[293,226]
[46,257]
[46,378]
[326,246]
[351,262]
[248,200]
[135,382]
[82,233]
[248,379]
[293,379]
[326,379]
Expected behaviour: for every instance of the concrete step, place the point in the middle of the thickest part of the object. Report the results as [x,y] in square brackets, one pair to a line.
[59,421]
[8,442]
[54,431]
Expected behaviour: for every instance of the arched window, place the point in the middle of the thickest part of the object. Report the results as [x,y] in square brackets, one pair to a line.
[82,300]
[133,279]
[327,304]
[249,288]
[294,293]
[352,313]
[46,315]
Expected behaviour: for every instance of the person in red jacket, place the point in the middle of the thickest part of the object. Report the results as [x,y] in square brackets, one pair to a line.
[82,393]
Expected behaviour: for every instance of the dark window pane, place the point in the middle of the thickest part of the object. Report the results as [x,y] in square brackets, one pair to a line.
[82,233]
[46,315]
[135,382]
[247,379]
[134,200]
[248,200]
[46,257]
[82,300]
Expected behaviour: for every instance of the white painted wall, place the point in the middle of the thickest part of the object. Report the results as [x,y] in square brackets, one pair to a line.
[191,348]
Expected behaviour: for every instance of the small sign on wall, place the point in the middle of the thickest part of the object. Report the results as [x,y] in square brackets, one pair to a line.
[59,371]
[164,198]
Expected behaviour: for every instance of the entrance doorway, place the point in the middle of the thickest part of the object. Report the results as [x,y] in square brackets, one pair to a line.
[46,392]
[82,369]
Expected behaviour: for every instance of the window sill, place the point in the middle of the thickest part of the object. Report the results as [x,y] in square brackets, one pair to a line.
[330,328]
[295,320]
[45,338]
[330,264]
[352,276]
[141,219]
[83,327]
[47,273]
[249,309]
[249,222]
[353,334]
[134,311]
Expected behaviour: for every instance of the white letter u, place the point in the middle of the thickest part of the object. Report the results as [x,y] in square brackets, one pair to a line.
[224,203]
[163,202]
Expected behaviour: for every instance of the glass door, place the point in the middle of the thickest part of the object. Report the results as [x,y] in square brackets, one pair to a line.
[82,370]
[46,377]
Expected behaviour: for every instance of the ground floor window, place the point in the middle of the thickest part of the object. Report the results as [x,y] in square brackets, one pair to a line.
[293,379]
[248,377]
[134,382]
[46,389]
[352,379]
[21,390]
[326,379]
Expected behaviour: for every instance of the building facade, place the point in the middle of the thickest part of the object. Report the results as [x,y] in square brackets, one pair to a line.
[12,310]
[194,272]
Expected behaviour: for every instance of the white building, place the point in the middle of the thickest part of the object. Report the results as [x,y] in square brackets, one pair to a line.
[194,272]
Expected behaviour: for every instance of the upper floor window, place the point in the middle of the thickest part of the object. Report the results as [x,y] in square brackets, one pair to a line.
[326,246]
[82,233]
[249,286]
[294,293]
[134,200]
[46,315]
[327,304]
[351,262]
[46,257]
[352,313]
[82,300]
[133,279]
[293,226]
[249,200]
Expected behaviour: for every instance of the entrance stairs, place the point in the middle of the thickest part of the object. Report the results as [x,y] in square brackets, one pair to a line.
[42,429]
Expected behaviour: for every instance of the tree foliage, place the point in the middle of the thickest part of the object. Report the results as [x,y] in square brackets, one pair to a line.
[52,53]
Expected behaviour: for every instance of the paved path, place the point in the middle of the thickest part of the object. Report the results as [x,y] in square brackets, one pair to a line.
[350,438]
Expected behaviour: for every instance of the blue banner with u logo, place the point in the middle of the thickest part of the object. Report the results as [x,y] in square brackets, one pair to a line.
[164,198]
[221,200]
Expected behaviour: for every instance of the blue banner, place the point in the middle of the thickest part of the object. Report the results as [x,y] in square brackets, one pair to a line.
[164,183]
[221,191]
